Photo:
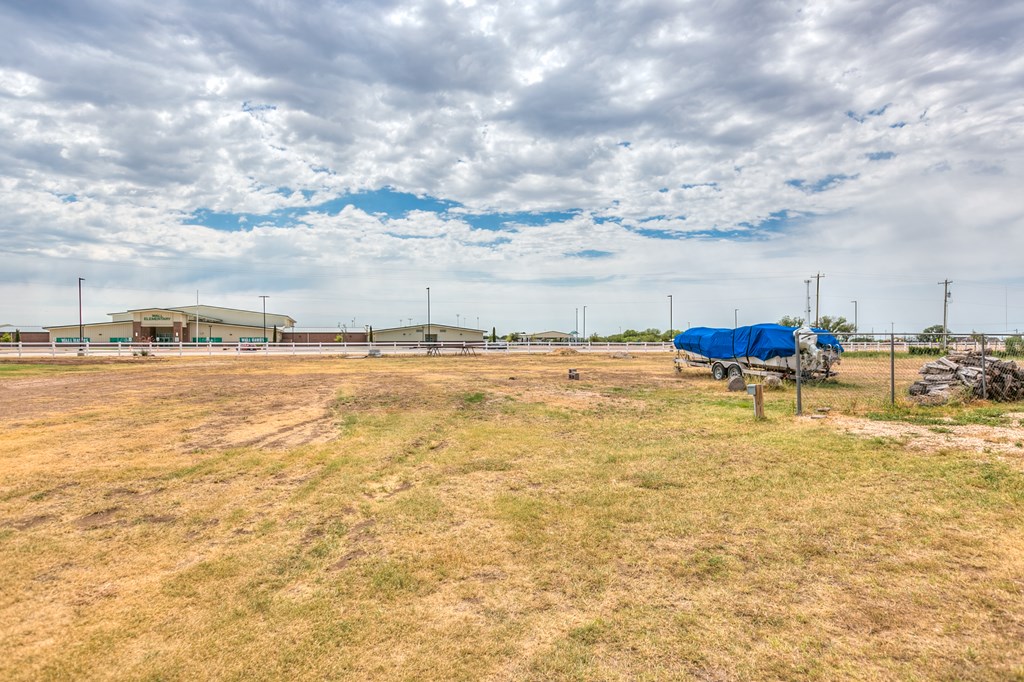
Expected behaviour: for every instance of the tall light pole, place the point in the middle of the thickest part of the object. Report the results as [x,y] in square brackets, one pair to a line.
[854,316]
[735,318]
[817,296]
[670,317]
[584,323]
[264,317]
[426,334]
[807,309]
[81,333]
[576,327]
[945,311]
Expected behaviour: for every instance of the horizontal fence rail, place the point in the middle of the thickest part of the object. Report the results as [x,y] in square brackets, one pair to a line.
[182,349]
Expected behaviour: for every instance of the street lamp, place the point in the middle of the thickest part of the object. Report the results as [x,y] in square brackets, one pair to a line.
[854,316]
[584,323]
[670,316]
[735,318]
[81,333]
[426,334]
[264,318]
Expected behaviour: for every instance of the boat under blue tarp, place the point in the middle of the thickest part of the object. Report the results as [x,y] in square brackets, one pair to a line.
[761,341]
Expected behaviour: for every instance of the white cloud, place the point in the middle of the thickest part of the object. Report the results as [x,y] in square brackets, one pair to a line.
[120,121]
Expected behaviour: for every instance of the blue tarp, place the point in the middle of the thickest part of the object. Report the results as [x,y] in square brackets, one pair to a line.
[761,341]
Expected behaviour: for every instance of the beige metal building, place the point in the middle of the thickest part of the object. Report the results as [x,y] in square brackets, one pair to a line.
[419,333]
[549,336]
[202,323]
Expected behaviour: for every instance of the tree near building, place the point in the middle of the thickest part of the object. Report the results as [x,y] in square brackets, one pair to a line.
[836,325]
[494,334]
[790,321]
[932,334]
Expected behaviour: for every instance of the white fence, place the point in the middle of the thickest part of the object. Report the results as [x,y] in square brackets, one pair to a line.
[180,349]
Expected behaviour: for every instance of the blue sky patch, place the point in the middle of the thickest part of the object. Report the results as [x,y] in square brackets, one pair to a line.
[880,156]
[824,184]
[385,202]
[589,253]
[652,233]
[498,221]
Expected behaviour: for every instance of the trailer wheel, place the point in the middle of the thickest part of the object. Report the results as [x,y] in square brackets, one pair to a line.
[718,371]
[735,371]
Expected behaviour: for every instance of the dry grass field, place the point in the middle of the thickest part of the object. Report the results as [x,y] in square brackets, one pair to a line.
[485,518]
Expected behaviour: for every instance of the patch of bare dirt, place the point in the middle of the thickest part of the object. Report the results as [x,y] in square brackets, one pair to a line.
[97,519]
[1008,440]
[30,522]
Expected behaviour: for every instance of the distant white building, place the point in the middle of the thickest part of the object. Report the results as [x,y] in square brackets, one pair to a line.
[420,333]
[548,336]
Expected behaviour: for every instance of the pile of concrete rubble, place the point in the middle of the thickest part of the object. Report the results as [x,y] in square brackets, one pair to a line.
[961,374]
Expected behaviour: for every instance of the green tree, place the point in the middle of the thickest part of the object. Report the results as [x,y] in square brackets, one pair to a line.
[370,334]
[836,325]
[17,336]
[6,337]
[494,334]
[790,321]
[932,334]
[512,336]
[1014,345]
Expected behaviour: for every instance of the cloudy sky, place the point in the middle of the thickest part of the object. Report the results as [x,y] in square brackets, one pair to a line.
[521,159]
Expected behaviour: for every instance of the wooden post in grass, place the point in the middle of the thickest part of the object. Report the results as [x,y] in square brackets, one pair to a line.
[757,390]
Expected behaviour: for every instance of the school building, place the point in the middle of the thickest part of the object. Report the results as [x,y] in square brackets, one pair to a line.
[187,324]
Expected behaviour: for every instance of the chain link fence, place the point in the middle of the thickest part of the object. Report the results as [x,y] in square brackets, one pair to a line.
[877,370]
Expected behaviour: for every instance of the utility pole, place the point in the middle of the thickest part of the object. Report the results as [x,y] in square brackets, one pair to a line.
[807,308]
[426,334]
[945,311]
[670,317]
[264,317]
[576,327]
[81,333]
[196,335]
[854,316]
[584,323]
[817,297]
[735,318]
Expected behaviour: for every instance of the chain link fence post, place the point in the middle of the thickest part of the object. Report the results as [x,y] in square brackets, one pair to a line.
[984,388]
[799,371]
[892,369]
